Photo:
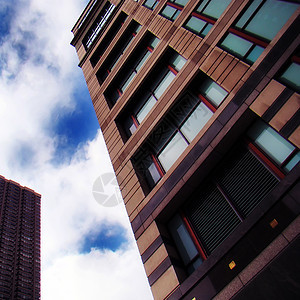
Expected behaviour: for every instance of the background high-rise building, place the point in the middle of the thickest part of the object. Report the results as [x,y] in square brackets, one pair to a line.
[198,102]
[20,210]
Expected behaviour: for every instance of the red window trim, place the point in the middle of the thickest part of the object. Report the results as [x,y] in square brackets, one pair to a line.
[204,18]
[172,70]
[160,171]
[135,122]
[296,59]
[119,92]
[265,159]
[248,37]
[179,7]
[150,49]
[193,236]
[207,103]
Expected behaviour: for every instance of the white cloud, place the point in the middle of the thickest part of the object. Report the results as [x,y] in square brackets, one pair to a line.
[38,75]
[102,275]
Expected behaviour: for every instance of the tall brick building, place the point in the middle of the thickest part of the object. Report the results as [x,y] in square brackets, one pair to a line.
[198,102]
[20,212]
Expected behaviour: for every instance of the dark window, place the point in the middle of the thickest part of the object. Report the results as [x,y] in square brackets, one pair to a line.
[205,15]
[151,90]
[256,27]
[118,51]
[173,8]
[235,187]
[98,25]
[108,38]
[131,67]
[176,131]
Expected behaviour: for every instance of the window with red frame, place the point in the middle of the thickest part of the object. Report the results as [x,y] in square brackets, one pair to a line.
[118,51]
[205,15]
[256,27]
[177,129]
[290,73]
[131,67]
[235,187]
[158,80]
[173,8]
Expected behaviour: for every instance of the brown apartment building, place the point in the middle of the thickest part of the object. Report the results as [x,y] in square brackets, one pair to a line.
[198,102]
[20,241]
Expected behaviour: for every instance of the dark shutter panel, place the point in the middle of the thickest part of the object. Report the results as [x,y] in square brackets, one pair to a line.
[245,180]
[211,216]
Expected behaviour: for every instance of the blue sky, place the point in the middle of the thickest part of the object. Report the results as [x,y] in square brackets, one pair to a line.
[111,237]
[74,127]
[51,142]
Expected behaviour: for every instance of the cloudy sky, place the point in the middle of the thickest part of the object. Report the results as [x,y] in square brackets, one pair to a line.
[50,141]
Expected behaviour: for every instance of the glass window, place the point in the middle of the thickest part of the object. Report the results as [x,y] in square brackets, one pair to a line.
[215,8]
[273,144]
[172,151]
[210,215]
[256,27]
[236,45]
[254,54]
[213,92]
[130,68]
[170,12]
[182,123]
[132,128]
[270,18]
[98,25]
[178,62]
[195,25]
[127,82]
[151,90]
[205,15]
[291,76]
[151,4]
[141,115]
[182,239]
[180,2]
[118,51]
[107,39]
[164,84]
[205,31]
[196,121]
[147,54]
[293,162]
[154,173]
